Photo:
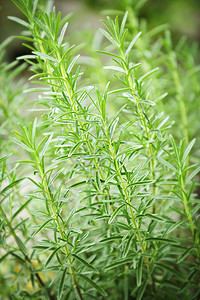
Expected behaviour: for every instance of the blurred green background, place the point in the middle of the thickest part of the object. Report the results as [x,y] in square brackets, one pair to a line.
[183,17]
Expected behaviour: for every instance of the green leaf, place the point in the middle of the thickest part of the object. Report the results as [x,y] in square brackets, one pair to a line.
[109,37]
[174,146]
[5,158]
[45,56]
[31,269]
[132,44]
[123,24]
[112,238]
[18,20]
[188,149]
[142,290]
[144,182]
[55,177]
[41,227]
[84,262]
[129,151]
[115,68]
[50,257]
[155,217]
[25,57]
[21,208]
[166,163]
[174,226]
[22,145]
[26,162]
[147,74]
[116,212]
[62,34]
[21,260]
[46,146]
[119,263]
[3,257]
[74,148]
[185,254]
[113,126]
[192,175]
[62,281]
[35,6]
[172,270]
[72,212]
[77,184]
[34,126]
[160,98]
[8,187]
[21,245]
[34,182]
[108,53]
[72,63]
[118,91]
[163,240]
[94,284]
[98,180]
[20,223]
[128,245]
[139,271]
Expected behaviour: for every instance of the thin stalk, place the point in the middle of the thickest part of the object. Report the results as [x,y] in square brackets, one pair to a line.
[143,248]
[143,121]
[101,174]
[20,198]
[90,150]
[27,259]
[59,228]
[70,95]
[189,216]
[185,202]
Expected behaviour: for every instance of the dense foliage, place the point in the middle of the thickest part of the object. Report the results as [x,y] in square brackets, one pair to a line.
[99,190]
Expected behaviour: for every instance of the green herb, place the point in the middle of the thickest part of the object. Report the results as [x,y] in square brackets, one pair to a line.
[101,201]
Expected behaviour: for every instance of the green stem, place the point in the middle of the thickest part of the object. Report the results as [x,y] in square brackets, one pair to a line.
[59,228]
[185,202]
[127,198]
[189,215]
[27,259]
[144,124]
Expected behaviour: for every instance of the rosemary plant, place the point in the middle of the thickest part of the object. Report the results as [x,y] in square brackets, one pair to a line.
[102,203]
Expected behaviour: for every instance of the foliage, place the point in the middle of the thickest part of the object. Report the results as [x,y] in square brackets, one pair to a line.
[102,200]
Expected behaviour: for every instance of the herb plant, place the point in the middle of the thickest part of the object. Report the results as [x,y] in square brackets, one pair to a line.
[98,199]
